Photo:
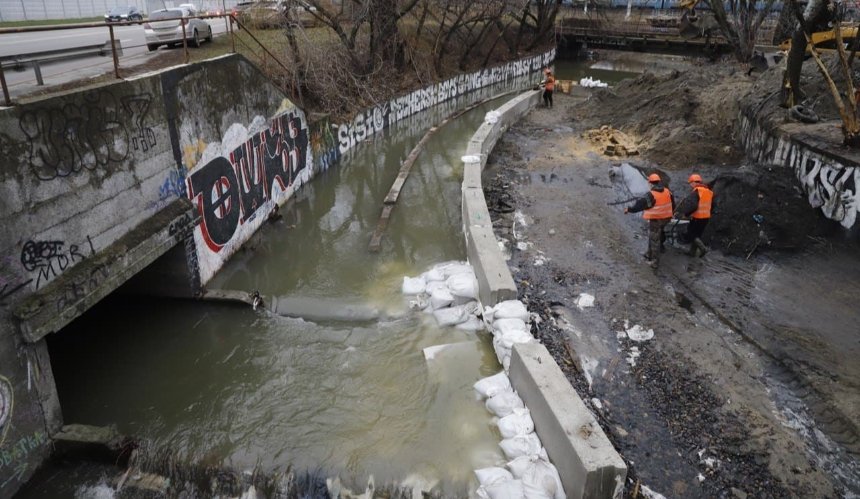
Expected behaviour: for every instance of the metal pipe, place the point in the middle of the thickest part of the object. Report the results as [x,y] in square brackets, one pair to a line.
[184,40]
[6,98]
[113,51]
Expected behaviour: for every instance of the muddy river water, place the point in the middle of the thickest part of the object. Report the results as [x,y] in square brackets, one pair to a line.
[225,385]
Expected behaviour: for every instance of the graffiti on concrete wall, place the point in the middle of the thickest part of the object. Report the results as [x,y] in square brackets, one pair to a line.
[7,404]
[14,456]
[100,130]
[829,185]
[45,260]
[376,119]
[241,181]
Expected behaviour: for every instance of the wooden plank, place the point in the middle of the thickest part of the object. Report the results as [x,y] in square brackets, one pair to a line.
[376,239]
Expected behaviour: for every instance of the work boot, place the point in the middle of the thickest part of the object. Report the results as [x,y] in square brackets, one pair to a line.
[700,246]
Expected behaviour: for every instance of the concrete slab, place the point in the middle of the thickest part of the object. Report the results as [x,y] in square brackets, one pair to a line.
[588,464]
[494,279]
[474,208]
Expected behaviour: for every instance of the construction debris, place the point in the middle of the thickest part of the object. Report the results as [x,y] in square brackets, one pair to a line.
[613,142]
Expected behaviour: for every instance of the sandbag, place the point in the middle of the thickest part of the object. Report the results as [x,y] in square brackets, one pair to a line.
[464,285]
[503,353]
[452,316]
[538,473]
[413,285]
[433,274]
[452,268]
[489,476]
[512,337]
[503,326]
[441,298]
[511,309]
[471,324]
[504,403]
[492,385]
[512,489]
[517,423]
[521,445]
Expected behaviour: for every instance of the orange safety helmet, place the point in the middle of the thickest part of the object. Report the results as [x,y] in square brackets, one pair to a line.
[654,178]
[695,178]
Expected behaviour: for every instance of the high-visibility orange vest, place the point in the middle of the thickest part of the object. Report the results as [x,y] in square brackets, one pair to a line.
[705,197]
[550,83]
[662,206]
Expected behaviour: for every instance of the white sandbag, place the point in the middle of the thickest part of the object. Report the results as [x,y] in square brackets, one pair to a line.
[492,117]
[511,338]
[501,350]
[521,445]
[470,158]
[454,268]
[471,324]
[464,285]
[504,326]
[433,274]
[492,385]
[538,473]
[504,403]
[441,298]
[511,309]
[488,315]
[452,316]
[585,300]
[413,285]
[517,423]
[489,476]
[512,489]
[419,303]
[433,286]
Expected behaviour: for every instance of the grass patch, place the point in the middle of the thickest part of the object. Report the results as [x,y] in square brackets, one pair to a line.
[49,22]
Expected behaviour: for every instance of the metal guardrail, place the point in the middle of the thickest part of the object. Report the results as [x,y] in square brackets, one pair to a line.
[112,44]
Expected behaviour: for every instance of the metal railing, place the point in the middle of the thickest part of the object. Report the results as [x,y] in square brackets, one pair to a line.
[116,49]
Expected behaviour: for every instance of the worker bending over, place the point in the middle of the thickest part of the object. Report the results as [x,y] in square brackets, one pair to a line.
[548,84]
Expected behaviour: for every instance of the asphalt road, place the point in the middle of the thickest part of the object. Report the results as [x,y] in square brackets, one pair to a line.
[133,48]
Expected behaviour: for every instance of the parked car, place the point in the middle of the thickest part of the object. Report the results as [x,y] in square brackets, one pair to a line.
[122,14]
[165,28]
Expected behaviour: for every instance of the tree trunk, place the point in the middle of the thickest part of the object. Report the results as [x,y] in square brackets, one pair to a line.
[814,19]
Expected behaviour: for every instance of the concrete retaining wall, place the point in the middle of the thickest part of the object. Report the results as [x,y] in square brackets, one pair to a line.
[587,463]
[828,172]
[95,186]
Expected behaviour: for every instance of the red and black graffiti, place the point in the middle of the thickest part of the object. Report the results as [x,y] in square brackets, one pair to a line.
[228,192]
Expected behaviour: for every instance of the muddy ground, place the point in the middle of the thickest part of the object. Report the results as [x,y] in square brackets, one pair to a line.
[749,387]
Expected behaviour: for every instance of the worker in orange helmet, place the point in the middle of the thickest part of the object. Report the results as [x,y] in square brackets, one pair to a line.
[657,207]
[548,85]
[697,207]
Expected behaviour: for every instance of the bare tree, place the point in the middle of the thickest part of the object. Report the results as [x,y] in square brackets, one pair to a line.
[739,22]
[815,17]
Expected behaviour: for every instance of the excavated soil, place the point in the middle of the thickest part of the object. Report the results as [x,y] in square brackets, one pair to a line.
[715,404]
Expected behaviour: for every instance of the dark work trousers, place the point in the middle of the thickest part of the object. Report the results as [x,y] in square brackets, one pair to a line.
[656,236]
[547,98]
[695,229]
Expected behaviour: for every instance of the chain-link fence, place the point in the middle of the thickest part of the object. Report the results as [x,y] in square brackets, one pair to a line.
[30,10]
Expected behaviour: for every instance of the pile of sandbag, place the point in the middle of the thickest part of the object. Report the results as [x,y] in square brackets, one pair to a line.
[509,322]
[588,82]
[528,472]
[450,292]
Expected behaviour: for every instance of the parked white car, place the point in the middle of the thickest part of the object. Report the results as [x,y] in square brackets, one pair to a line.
[165,28]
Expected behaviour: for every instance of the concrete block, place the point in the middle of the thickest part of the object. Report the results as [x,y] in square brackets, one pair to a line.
[472,174]
[474,206]
[588,464]
[494,279]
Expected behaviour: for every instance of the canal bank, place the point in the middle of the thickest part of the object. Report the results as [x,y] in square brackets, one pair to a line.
[703,379]
[204,152]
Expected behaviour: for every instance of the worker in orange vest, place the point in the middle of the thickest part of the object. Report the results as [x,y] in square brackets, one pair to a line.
[697,206]
[657,207]
[548,85]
